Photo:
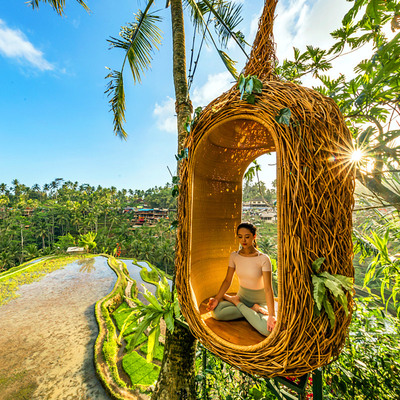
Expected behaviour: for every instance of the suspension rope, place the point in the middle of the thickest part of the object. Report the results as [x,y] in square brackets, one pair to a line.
[191,75]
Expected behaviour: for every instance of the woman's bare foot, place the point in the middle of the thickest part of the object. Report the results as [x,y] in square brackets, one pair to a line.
[257,308]
[233,299]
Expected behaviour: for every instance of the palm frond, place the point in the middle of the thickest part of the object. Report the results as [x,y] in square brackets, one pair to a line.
[227,18]
[115,90]
[139,39]
[57,5]
[198,11]
[229,64]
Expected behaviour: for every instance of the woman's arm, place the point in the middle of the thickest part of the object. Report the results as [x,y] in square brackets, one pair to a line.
[269,297]
[213,302]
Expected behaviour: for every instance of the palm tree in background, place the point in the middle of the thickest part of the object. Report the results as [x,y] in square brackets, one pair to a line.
[3,188]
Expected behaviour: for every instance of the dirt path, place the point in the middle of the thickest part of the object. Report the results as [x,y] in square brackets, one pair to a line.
[47,335]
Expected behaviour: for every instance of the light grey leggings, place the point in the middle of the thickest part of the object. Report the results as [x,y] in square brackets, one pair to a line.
[227,311]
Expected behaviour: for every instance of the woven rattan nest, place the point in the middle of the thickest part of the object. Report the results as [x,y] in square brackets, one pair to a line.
[314,202]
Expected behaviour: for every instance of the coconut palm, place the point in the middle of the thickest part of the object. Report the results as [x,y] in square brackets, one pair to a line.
[138,39]
[3,188]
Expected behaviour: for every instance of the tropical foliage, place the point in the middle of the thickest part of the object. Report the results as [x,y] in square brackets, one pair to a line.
[368,100]
[44,220]
[326,285]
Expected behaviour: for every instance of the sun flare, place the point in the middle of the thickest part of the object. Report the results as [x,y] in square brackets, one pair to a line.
[356,155]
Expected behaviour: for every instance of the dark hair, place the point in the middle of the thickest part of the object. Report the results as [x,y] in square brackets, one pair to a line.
[248,225]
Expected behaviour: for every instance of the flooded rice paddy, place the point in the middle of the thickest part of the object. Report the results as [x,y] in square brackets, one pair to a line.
[47,335]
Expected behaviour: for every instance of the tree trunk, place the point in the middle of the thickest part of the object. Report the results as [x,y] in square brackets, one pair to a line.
[177,375]
[183,105]
[177,378]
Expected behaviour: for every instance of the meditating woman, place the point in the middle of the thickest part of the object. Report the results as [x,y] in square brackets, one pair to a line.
[255,298]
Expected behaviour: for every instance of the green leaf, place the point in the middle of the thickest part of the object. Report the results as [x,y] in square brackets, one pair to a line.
[316,265]
[174,224]
[169,320]
[153,341]
[249,86]
[329,310]
[284,116]
[175,191]
[115,90]
[257,85]
[152,300]
[319,291]
[346,281]
[251,99]
[177,309]
[241,84]
[140,329]
[229,63]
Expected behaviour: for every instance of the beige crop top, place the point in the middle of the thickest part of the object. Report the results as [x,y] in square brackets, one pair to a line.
[249,269]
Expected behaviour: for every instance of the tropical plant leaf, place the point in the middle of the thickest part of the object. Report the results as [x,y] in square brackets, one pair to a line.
[153,341]
[57,5]
[130,319]
[138,39]
[229,63]
[152,299]
[248,87]
[319,291]
[333,285]
[227,18]
[144,324]
[346,281]
[283,117]
[115,90]
[343,302]
[316,265]
[329,311]
[169,320]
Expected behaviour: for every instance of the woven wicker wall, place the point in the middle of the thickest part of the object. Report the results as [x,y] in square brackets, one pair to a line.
[315,200]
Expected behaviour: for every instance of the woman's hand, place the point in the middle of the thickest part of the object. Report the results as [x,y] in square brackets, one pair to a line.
[212,303]
[262,310]
[271,323]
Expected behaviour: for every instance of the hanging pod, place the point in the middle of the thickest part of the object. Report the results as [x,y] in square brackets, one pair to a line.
[315,188]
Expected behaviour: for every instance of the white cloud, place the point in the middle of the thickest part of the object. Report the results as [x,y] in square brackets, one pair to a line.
[303,22]
[15,45]
[165,116]
[216,84]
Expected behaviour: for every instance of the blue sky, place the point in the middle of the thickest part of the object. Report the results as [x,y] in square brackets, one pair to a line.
[54,115]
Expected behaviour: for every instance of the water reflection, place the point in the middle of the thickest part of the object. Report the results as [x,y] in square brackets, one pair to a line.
[87,265]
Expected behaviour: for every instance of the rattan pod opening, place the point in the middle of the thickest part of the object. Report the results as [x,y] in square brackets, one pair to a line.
[315,199]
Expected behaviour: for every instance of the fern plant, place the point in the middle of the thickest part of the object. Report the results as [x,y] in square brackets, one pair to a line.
[324,284]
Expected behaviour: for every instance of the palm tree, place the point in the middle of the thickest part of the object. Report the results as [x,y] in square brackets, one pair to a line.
[16,188]
[3,188]
[138,39]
